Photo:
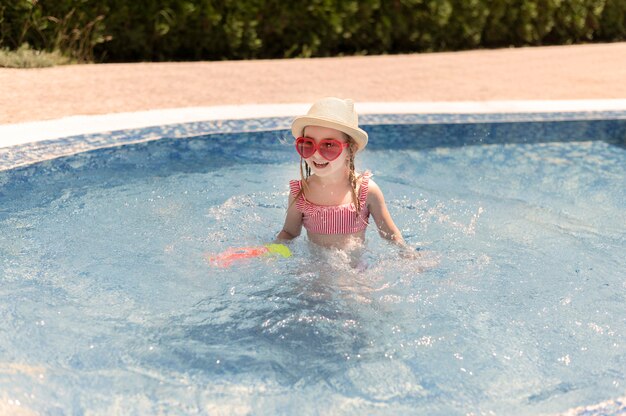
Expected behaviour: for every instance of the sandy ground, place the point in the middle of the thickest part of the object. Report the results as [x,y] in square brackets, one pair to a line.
[546,73]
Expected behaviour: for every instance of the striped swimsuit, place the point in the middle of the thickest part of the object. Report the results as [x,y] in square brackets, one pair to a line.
[336,219]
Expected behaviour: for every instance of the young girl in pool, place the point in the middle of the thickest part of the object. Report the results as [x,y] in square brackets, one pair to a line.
[331,200]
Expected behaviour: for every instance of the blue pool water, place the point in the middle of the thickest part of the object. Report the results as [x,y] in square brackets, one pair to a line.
[109,307]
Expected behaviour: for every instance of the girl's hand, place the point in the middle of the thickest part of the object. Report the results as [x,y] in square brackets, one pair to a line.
[427,259]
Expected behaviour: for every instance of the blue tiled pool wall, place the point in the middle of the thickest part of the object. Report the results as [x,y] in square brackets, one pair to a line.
[148,160]
[416,131]
[424,136]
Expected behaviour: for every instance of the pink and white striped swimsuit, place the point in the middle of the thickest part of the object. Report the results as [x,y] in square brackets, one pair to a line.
[336,219]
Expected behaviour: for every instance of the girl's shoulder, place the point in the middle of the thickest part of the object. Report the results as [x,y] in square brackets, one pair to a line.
[310,182]
[374,194]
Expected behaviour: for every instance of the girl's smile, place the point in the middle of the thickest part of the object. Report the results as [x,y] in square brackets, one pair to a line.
[320,165]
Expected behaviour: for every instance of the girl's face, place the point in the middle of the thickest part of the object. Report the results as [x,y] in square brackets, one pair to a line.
[319,165]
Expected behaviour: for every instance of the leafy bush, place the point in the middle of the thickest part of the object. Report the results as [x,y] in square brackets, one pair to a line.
[72,28]
[159,30]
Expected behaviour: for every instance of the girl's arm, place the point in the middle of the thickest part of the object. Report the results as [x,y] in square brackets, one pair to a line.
[388,230]
[386,227]
[293,222]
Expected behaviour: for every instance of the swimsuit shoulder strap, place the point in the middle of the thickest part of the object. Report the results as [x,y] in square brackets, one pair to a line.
[365,181]
[294,187]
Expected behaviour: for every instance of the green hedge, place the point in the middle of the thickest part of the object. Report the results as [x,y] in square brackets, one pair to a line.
[151,30]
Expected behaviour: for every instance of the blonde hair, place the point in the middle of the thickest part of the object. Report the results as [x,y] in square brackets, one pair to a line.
[305,172]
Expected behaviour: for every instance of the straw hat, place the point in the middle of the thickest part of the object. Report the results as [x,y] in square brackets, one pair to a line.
[333,113]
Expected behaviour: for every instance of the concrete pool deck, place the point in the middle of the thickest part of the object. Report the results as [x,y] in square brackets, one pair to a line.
[51,103]
[580,72]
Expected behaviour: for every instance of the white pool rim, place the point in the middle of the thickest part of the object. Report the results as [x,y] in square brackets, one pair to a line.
[29,132]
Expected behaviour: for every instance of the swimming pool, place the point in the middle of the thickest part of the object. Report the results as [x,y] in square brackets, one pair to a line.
[109,307]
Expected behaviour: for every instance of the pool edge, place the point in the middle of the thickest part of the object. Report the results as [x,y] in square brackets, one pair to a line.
[34,142]
[29,132]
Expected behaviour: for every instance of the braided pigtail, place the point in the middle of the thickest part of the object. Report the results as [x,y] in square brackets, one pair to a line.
[352,177]
[305,172]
